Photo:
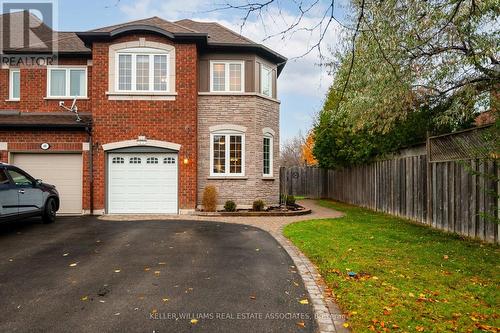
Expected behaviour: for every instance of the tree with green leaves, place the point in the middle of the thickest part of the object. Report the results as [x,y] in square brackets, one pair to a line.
[413,67]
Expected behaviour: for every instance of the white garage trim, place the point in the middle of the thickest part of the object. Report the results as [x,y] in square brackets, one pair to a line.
[141,142]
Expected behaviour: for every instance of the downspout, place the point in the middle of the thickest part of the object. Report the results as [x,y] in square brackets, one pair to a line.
[91,167]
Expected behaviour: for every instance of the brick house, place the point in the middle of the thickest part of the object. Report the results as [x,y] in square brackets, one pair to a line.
[166,109]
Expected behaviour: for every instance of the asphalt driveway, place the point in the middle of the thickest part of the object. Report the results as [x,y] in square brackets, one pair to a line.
[85,275]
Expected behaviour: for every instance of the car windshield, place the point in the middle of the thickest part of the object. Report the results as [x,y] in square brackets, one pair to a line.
[20,179]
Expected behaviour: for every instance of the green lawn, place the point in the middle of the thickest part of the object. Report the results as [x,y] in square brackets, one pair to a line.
[409,277]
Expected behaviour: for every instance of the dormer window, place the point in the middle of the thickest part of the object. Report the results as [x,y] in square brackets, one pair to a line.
[142,70]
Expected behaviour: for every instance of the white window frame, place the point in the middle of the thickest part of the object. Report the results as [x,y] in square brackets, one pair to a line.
[227,64]
[271,154]
[11,84]
[68,81]
[227,134]
[262,68]
[134,52]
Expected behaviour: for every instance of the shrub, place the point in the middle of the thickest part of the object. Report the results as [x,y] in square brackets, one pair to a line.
[290,200]
[258,205]
[230,206]
[209,199]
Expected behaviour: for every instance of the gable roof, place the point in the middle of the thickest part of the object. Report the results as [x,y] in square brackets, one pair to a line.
[216,32]
[151,21]
[66,42]
[208,35]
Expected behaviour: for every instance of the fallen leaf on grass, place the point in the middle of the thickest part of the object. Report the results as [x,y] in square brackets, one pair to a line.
[84,298]
[304,301]
[445,257]
[411,294]
[194,321]
[164,300]
[419,328]
[301,324]
[345,325]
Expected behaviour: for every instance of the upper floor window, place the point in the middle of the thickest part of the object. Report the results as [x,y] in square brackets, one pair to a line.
[227,76]
[15,84]
[266,81]
[142,70]
[67,82]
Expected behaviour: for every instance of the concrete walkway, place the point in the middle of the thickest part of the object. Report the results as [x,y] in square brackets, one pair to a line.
[327,314]
[271,224]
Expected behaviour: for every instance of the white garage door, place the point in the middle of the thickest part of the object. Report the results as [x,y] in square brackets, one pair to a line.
[62,170]
[142,183]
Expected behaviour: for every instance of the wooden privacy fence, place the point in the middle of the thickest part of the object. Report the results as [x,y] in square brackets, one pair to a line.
[455,196]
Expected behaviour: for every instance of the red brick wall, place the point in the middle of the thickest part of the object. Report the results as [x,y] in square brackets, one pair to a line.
[173,121]
[34,90]
[60,141]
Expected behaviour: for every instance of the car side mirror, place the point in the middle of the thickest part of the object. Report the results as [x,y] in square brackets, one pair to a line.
[38,182]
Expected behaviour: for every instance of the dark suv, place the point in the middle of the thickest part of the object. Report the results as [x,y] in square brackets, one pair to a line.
[23,196]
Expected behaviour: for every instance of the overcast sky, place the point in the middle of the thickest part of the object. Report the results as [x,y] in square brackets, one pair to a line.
[301,86]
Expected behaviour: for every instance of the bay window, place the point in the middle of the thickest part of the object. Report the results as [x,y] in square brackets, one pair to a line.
[67,82]
[227,76]
[142,70]
[266,81]
[267,155]
[227,154]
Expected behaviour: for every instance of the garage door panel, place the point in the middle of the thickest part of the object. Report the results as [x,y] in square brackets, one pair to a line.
[144,188]
[62,170]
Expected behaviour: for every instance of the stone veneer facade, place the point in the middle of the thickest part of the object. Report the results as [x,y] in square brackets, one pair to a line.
[255,113]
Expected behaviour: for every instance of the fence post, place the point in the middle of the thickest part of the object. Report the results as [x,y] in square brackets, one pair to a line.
[429,179]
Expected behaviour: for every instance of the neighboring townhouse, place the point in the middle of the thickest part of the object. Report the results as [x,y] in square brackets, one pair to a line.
[166,109]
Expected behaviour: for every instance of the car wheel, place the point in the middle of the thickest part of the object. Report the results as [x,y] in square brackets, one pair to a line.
[49,212]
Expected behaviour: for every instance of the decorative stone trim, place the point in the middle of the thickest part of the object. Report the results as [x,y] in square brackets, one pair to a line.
[267,130]
[329,317]
[202,93]
[85,146]
[4,146]
[141,142]
[114,96]
[230,127]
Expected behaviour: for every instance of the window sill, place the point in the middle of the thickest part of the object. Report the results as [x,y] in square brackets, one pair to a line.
[13,100]
[227,178]
[269,178]
[65,98]
[206,93]
[157,96]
